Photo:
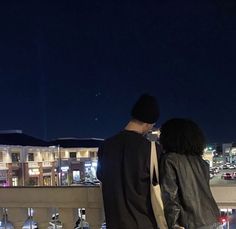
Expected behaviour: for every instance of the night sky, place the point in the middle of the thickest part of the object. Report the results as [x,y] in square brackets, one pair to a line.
[75,68]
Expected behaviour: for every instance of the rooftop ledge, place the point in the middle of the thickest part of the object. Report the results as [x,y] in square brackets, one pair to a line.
[225,196]
[74,196]
[44,200]
[68,199]
[56,197]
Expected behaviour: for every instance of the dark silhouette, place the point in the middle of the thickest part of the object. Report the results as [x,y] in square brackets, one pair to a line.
[124,170]
[184,177]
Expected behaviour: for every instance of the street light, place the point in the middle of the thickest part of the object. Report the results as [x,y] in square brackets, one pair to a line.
[23,171]
[59,169]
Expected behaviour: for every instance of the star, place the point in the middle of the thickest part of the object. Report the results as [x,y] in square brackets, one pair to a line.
[98,94]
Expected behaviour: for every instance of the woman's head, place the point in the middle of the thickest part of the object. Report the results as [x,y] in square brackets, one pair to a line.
[182,136]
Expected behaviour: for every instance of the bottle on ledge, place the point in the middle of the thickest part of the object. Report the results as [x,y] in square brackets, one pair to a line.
[103,226]
[82,223]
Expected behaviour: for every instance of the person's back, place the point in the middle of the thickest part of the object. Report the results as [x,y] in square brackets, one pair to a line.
[197,206]
[125,181]
[124,167]
[184,177]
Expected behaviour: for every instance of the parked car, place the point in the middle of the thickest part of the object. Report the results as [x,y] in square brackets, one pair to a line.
[216,170]
[212,171]
[227,176]
[211,175]
[234,175]
[225,166]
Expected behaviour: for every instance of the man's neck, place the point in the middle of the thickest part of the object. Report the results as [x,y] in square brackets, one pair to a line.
[134,126]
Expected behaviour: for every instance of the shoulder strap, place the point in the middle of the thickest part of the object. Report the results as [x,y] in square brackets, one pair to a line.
[153,161]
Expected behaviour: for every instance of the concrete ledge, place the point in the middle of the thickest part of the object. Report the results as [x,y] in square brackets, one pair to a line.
[225,196]
[68,199]
[43,199]
[60,197]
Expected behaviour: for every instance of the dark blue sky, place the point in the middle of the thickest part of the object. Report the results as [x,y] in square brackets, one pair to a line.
[76,68]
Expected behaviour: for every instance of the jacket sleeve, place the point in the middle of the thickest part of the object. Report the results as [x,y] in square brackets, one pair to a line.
[169,187]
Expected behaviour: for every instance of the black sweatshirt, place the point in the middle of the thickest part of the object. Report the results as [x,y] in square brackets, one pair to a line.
[124,170]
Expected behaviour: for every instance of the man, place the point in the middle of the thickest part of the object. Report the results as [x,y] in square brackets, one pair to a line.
[124,170]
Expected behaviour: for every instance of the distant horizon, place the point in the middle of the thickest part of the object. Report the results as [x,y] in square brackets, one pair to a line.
[11,131]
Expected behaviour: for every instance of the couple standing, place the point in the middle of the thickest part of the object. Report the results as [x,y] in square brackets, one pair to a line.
[124,170]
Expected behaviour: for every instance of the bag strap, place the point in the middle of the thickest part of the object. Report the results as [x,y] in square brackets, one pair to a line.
[153,162]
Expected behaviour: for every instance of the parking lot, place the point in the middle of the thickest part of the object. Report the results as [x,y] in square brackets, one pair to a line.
[218,178]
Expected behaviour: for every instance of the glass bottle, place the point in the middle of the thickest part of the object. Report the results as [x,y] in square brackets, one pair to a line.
[5,223]
[103,226]
[83,223]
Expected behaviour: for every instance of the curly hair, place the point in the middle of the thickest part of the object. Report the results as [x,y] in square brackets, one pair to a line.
[182,136]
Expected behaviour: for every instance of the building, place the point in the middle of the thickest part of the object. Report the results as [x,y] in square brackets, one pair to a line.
[208,155]
[229,152]
[29,161]
[22,159]
[76,159]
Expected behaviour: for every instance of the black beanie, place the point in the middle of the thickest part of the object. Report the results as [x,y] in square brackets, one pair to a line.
[146,109]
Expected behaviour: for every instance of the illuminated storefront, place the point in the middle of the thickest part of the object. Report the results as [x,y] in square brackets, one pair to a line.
[233,155]
[90,170]
[3,175]
[27,161]
[48,173]
[33,174]
[77,170]
[208,156]
[16,174]
[64,175]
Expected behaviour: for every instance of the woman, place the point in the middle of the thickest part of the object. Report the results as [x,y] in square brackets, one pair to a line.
[184,177]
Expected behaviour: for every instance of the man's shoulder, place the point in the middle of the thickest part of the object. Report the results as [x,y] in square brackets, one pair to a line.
[114,138]
[125,136]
